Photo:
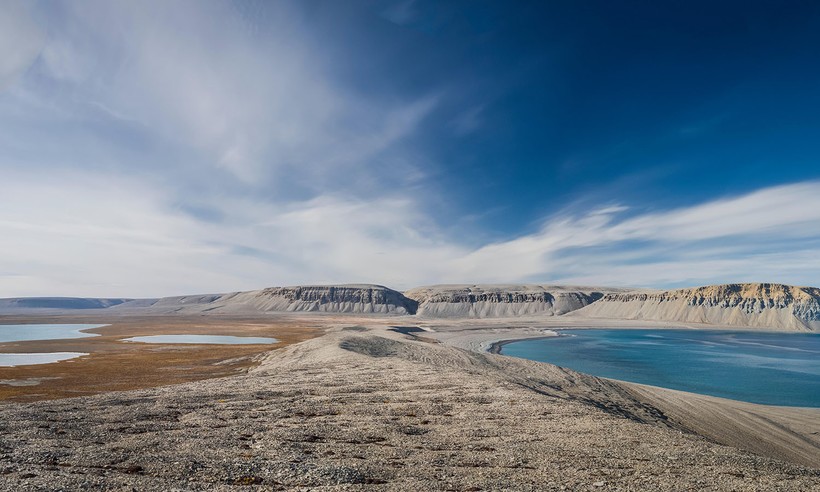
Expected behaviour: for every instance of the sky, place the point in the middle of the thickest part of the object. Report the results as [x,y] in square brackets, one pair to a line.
[177,147]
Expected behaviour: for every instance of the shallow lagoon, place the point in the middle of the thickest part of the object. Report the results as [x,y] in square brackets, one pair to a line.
[768,368]
[14,360]
[22,333]
[207,339]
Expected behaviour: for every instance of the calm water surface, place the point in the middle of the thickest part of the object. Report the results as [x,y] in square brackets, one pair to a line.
[215,339]
[13,360]
[768,368]
[21,333]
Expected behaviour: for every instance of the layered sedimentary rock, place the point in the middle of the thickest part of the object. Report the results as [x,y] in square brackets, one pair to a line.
[316,298]
[489,301]
[331,298]
[765,306]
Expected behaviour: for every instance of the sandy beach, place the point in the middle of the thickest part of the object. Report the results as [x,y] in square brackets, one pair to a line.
[367,406]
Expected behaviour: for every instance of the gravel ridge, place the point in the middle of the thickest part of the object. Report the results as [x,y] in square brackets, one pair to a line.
[367,408]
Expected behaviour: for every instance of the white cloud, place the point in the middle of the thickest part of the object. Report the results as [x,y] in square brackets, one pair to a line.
[669,247]
[84,234]
[258,104]
[783,210]
[77,234]
[176,147]
[611,209]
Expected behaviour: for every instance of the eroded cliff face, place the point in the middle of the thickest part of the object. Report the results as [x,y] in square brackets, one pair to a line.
[337,298]
[762,306]
[488,301]
[314,298]
[773,306]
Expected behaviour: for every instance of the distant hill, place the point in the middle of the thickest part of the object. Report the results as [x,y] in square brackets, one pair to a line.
[776,306]
[56,303]
[352,298]
[503,300]
[764,306]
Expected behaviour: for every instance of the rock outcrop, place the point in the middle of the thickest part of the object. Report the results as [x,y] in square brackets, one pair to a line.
[764,306]
[492,301]
[331,298]
[365,299]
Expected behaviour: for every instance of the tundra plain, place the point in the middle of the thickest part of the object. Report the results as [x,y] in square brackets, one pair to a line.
[373,399]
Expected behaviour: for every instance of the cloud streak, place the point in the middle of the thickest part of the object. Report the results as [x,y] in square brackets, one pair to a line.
[187,147]
[81,235]
[224,95]
[748,237]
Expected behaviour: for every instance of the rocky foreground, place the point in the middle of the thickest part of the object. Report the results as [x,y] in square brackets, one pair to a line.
[364,408]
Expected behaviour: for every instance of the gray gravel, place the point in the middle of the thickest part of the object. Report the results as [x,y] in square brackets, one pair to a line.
[362,410]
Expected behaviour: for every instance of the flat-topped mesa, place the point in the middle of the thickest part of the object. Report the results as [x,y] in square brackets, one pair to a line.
[492,301]
[336,298]
[354,298]
[757,305]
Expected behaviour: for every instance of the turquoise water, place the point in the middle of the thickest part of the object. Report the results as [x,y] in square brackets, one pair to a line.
[21,333]
[13,360]
[768,368]
[215,339]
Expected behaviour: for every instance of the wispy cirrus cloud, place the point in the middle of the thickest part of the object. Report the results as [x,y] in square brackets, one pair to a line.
[83,235]
[756,236]
[79,234]
[166,148]
[238,97]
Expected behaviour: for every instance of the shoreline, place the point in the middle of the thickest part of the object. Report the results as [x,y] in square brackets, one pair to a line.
[785,431]
[361,404]
[495,347]
[112,363]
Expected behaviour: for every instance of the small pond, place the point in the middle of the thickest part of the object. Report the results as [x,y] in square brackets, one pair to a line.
[14,360]
[23,333]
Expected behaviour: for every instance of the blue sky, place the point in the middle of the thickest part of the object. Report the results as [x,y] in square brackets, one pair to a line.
[159,148]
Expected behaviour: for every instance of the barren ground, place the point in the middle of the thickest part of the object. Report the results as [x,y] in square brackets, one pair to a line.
[114,365]
[364,407]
